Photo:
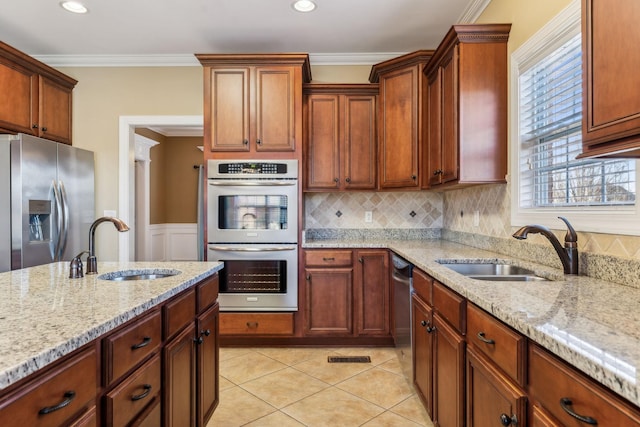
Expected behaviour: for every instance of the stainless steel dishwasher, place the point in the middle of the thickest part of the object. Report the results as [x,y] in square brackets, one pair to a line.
[401,283]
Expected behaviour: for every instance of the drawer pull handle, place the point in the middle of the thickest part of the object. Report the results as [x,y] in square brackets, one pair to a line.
[252,325]
[565,403]
[485,340]
[507,420]
[68,397]
[147,390]
[328,259]
[145,342]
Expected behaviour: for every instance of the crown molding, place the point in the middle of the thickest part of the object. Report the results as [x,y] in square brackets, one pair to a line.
[473,11]
[188,60]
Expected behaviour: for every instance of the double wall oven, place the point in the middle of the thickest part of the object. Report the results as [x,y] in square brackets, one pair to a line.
[252,226]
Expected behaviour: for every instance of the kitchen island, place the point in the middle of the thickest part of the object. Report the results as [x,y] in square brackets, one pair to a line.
[591,324]
[46,316]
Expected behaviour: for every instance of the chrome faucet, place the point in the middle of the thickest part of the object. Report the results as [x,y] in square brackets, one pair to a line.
[568,255]
[92,263]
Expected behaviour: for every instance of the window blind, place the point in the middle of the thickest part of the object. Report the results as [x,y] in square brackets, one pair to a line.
[551,138]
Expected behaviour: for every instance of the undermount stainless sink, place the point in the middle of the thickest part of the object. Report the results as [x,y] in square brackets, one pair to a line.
[139,274]
[494,272]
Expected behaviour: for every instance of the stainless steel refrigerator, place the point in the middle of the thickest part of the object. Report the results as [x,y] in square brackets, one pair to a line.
[46,201]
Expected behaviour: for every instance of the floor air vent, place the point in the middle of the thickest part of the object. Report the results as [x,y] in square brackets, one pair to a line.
[349,359]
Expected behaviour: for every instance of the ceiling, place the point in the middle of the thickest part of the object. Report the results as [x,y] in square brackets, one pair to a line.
[168,32]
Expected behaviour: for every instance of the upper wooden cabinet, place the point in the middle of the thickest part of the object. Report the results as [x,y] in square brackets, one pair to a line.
[611,101]
[340,136]
[466,141]
[253,103]
[401,118]
[36,97]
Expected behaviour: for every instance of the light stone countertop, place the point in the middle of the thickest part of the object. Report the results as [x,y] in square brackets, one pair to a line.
[45,315]
[591,324]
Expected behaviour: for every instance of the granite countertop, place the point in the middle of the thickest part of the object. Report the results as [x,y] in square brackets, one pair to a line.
[591,324]
[45,315]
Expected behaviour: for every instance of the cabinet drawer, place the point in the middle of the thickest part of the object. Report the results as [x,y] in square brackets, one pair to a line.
[207,293]
[450,305]
[256,323]
[552,380]
[423,285]
[137,391]
[328,258]
[501,344]
[75,382]
[129,346]
[178,313]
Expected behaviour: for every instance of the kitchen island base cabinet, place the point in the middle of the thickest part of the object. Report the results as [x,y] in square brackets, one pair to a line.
[422,322]
[180,380]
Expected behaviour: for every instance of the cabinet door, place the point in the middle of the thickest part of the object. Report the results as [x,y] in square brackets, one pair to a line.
[55,111]
[434,133]
[329,295]
[371,286]
[360,160]
[180,380]
[399,127]
[208,364]
[323,142]
[492,398]
[422,338]
[227,101]
[19,107]
[610,40]
[275,109]
[448,371]
[449,88]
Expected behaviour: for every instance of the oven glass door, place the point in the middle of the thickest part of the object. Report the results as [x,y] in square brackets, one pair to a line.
[257,277]
[253,211]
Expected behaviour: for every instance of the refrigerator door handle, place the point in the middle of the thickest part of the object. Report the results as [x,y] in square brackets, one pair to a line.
[65,223]
[59,220]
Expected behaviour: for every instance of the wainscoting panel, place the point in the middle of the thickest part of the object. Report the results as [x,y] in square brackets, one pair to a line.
[174,242]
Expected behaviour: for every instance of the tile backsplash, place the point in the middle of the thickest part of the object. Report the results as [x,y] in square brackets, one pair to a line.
[399,210]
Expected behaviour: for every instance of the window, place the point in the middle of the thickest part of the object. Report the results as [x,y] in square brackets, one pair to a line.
[548,178]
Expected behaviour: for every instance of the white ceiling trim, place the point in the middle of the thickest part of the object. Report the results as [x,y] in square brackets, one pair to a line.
[189,60]
[473,11]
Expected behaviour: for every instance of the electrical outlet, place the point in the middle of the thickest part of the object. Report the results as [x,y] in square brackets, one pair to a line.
[368,216]
[476,218]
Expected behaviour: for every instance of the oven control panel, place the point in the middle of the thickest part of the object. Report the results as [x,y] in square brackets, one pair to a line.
[249,168]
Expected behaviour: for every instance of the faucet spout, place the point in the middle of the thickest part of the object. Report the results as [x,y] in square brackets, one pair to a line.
[92,263]
[568,254]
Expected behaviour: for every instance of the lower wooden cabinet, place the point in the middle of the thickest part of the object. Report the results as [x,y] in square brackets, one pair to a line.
[249,323]
[347,298]
[208,390]
[493,398]
[422,339]
[180,379]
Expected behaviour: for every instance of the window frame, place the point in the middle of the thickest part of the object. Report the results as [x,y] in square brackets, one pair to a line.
[623,220]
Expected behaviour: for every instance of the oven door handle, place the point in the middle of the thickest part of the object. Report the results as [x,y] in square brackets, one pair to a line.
[271,249]
[253,183]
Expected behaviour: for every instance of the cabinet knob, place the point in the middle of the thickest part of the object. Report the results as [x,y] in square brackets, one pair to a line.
[335,180]
[34,126]
[431,329]
[308,277]
[252,325]
[44,129]
[361,260]
[566,403]
[424,323]
[259,141]
[507,420]
[198,340]
[348,179]
[206,332]
[414,177]
[437,172]
[245,141]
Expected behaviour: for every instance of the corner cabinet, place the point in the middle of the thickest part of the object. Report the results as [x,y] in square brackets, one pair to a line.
[340,136]
[37,99]
[611,102]
[253,103]
[466,141]
[402,120]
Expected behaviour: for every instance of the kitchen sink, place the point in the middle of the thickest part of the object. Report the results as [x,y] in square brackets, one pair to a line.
[494,272]
[139,274]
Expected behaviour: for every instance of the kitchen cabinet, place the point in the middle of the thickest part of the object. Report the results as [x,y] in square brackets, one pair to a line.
[611,111]
[253,103]
[60,395]
[340,137]
[37,98]
[344,298]
[422,338]
[402,119]
[560,392]
[249,323]
[466,95]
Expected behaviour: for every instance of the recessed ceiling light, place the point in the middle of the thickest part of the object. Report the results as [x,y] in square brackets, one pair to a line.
[74,6]
[304,5]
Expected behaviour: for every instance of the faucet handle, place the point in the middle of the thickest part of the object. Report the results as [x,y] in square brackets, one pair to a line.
[75,266]
[571,236]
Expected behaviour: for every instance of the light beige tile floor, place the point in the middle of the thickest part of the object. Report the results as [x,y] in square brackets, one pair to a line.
[284,387]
